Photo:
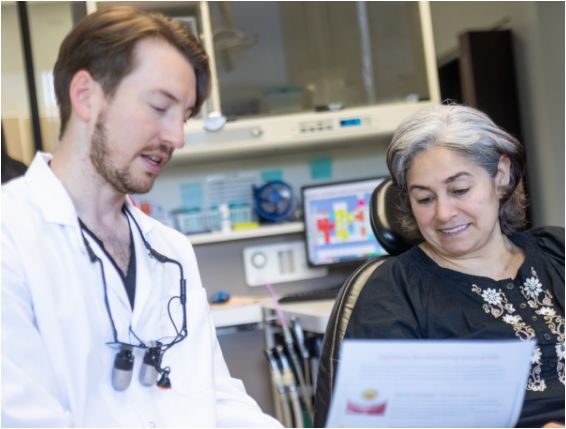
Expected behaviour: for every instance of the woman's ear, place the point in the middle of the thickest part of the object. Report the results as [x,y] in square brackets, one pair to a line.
[81,91]
[503,174]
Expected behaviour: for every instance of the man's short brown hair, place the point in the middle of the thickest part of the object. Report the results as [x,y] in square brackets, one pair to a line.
[103,43]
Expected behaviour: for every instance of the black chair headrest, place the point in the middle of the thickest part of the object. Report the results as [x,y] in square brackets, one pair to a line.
[384,218]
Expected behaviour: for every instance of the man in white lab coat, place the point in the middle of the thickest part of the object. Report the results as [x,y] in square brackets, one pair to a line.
[104,318]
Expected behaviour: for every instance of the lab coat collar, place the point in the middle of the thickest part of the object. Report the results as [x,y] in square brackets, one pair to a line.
[52,198]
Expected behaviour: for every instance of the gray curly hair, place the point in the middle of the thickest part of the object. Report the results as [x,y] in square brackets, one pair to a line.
[472,134]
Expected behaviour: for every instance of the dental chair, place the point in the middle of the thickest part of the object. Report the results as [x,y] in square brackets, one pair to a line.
[384,222]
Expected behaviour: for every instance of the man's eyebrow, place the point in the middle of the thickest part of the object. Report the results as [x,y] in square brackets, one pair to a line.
[167,94]
[448,180]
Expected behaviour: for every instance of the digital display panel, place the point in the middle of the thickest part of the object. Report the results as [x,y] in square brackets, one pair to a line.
[350,122]
[337,223]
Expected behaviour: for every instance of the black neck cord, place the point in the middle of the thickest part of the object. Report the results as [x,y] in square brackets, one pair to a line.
[181,334]
[94,258]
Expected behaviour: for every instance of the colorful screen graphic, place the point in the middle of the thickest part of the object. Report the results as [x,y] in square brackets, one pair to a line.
[337,224]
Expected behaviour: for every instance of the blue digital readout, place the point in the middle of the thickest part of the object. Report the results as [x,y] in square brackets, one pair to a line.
[350,122]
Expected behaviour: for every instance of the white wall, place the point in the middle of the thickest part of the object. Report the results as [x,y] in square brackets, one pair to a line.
[538,30]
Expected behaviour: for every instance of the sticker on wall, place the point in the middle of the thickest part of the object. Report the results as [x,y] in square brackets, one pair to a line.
[271,175]
[192,195]
[321,168]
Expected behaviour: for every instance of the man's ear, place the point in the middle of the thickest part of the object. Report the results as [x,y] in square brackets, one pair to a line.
[82,89]
[503,175]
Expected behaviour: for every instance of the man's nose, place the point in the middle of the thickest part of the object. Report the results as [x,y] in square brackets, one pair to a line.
[174,133]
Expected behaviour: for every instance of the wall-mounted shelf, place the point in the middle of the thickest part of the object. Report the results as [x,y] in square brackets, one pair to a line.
[269,136]
[262,231]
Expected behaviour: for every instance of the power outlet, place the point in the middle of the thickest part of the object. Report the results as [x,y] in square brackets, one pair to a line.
[278,263]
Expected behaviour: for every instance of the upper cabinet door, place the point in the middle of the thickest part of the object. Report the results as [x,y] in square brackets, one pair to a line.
[271,58]
[285,57]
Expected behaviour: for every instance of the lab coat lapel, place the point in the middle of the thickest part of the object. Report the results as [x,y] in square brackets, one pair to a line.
[148,271]
[117,295]
[52,198]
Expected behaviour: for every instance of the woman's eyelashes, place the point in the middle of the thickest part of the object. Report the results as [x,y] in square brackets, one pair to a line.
[424,200]
[460,191]
[457,192]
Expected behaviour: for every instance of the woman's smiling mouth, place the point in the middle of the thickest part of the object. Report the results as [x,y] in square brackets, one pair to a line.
[454,230]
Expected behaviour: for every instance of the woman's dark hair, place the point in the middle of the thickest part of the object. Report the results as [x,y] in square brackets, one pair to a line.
[103,43]
[473,135]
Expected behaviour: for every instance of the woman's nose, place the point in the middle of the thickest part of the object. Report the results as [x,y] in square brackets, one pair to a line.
[445,210]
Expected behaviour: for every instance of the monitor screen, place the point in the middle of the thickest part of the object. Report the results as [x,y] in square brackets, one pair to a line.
[337,225]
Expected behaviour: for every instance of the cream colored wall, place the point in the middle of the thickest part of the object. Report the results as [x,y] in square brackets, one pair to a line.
[538,36]
[15,105]
[49,23]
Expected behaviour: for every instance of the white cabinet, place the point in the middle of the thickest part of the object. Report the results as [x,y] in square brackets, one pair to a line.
[307,72]
[295,75]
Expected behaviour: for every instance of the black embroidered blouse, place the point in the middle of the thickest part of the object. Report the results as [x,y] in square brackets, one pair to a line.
[411,296]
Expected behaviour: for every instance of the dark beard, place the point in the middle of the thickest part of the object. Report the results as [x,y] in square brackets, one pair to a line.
[100,157]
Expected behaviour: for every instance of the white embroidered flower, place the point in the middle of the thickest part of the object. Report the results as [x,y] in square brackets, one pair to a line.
[511,320]
[535,358]
[509,307]
[532,287]
[560,351]
[537,386]
[546,311]
[491,296]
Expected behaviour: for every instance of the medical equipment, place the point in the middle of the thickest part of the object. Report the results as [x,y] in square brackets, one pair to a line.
[122,371]
[299,336]
[148,372]
[124,360]
[288,379]
[291,369]
[282,408]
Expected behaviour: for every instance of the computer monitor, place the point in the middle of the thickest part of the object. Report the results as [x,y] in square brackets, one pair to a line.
[337,224]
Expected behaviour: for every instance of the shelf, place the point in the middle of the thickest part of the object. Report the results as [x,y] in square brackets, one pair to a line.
[262,231]
[269,136]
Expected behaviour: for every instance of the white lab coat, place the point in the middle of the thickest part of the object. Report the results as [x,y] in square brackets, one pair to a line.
[56,366]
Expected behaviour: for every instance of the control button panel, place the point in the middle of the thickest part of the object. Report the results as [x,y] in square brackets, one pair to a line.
[278,263]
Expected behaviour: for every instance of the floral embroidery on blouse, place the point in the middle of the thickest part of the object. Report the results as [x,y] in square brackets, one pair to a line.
[560,365]
[536,383]
[541,301]
[531,290]
[496,300]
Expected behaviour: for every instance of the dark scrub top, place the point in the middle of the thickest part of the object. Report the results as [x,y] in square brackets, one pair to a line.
[410,296]
[128,277]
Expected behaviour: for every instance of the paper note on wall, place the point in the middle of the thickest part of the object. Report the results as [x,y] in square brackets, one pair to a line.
[271,175]
[321,168]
